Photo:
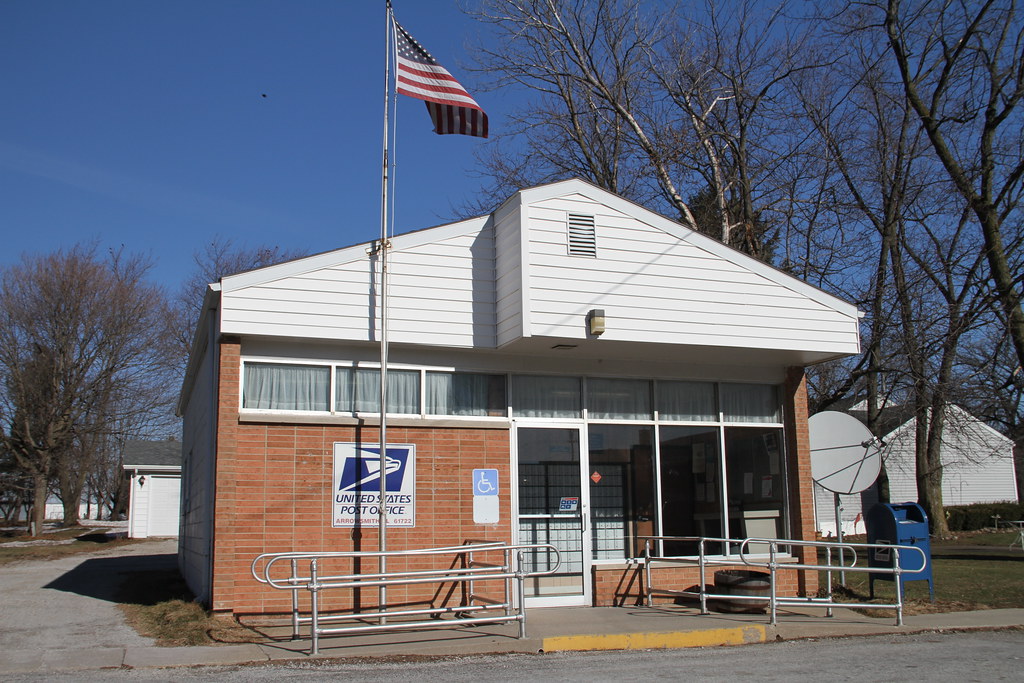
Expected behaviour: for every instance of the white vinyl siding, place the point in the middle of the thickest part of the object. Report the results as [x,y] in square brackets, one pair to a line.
[657,288]
[491,282]
[199,428]
[510,295]
[441,293]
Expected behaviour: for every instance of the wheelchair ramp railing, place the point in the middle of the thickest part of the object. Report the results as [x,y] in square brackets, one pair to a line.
[485,579]
[780,555]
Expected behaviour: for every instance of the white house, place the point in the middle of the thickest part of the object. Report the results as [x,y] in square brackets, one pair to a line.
[977,462]
[154,470]
[977,467]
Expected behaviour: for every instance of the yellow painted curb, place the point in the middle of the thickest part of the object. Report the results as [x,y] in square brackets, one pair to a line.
[650,641]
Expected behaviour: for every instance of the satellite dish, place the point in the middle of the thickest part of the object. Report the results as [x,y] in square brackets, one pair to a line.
[844,455]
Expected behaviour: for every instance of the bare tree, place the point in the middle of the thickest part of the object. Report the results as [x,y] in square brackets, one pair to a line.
[672,110]
[219,258]
[961,65]
[926,292]
[80,335]
[588,63]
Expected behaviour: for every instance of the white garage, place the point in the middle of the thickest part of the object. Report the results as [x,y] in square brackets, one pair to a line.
[154,470]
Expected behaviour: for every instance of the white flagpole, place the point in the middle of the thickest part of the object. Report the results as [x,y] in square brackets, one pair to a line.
[382,256]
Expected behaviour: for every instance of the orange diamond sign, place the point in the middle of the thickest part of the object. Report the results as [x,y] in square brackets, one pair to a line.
[595,477]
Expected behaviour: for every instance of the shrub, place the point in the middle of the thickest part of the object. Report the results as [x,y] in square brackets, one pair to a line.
[980,515]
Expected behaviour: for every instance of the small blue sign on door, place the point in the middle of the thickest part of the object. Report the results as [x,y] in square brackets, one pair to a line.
[485,482]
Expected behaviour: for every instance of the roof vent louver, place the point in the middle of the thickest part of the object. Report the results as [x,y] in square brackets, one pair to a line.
[582,235]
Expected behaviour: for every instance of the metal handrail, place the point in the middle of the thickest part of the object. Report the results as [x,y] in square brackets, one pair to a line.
[509,571]
[743,556]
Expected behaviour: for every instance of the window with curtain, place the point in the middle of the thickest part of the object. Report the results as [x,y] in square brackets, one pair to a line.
[535,396]
[750,403]
[272,386]
[687,401]
[464,393]
[619,399]
[357,390]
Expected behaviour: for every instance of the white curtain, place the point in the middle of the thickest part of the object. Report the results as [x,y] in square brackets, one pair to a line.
[286,387]
[619,399]
[357,390]
[689,401]
[534,396]
[750,403]
[461,393]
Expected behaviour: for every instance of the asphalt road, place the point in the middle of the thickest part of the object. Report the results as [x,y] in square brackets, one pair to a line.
[974,656]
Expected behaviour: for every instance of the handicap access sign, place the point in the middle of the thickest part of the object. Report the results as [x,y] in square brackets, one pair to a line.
[485,482]
[486,508]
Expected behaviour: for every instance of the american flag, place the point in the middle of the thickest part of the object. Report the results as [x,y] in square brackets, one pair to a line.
[452,109]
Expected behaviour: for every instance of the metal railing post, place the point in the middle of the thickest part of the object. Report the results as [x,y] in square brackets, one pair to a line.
[703,591]
[521,578]
[828,579]
[509,583]
[314,609]
[471,589]
[294,580]
[773,549]
[898,578]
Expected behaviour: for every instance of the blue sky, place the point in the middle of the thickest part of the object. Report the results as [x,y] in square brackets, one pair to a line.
[143,123]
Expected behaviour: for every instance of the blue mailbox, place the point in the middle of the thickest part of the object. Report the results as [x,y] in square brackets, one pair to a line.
[900,524]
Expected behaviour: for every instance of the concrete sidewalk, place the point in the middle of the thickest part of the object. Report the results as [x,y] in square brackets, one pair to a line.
[62,615]
[548,630]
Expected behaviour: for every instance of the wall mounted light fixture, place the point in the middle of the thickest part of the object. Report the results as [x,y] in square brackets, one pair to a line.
[595,321]
[142,481]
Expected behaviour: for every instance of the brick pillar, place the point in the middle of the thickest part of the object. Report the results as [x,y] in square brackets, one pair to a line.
[801,486]
[225,489]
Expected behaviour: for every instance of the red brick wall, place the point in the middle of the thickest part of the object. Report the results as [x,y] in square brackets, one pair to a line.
[273,494]
[274,485]
[801,486]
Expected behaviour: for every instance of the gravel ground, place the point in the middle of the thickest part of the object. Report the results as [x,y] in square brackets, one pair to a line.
[68,603]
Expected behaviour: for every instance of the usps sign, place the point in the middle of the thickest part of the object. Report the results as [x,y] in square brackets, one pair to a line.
[357,485]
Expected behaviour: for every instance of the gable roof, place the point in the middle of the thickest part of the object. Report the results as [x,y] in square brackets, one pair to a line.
[536,194]
[508,281]
[141,454]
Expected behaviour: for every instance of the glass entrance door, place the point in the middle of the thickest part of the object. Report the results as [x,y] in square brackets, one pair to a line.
[554,508]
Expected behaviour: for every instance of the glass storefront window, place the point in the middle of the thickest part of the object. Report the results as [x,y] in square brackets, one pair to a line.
[463,393]
[750,403]
[687,401]
[273,386]
[619,399]
[757,482]
[622,493]
[538,396]
[691,487]
[357,390]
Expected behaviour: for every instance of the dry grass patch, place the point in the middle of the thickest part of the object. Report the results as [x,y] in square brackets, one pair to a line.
[159,605]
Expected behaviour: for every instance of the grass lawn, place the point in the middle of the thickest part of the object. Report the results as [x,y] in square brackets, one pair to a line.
[973,571]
